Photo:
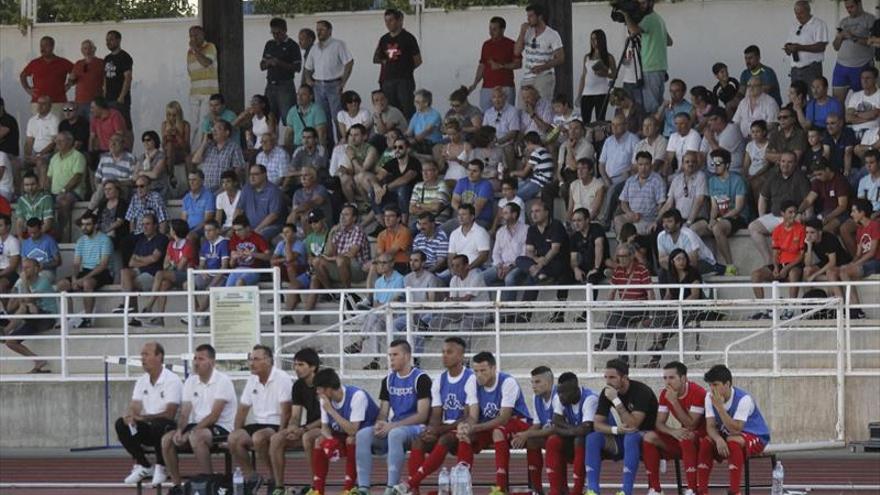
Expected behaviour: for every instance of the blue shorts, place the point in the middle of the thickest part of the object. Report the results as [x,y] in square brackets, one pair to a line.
[847,77]
[871,267]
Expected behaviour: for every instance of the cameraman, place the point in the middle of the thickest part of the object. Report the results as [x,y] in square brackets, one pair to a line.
[654,41]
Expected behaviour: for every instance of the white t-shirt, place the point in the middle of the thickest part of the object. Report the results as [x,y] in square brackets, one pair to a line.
[509,391]
[154,399]
[588,408]
[470,245]
[756,154]
[359,403]
[223,203]
[860,102]
[43,130]
[363,117]
[9,247]
[870,136]
[814,31]
[687,240]
[327,59]
[266,400]
[469,286]
[743,410]
[539,50]
[202,396]
[6,182]
[470,391]
[680,145]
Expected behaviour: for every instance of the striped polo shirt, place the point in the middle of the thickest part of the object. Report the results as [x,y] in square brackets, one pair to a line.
[542,167]
[90,250]
[120,169]
[203,80]
[434,248]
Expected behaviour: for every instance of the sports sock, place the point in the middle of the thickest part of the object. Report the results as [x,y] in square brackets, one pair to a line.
[706,457]
[593,464]
[632,446]
[320,466]
[735,462]
[466,453]
[555,466]
[536,466]
[350,467]
[578,475]
[651,457]
[416,458]
[431,464]
[502,463]
[689,459]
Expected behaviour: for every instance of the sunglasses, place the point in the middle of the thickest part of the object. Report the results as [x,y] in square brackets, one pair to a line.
[799,29]
[67,109]
[400,147]
[140,186]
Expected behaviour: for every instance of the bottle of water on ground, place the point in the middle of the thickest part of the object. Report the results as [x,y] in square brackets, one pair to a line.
[777,488]
[443,482]
[237,482]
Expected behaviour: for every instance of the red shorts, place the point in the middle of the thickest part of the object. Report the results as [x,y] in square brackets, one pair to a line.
[672,448]
[753,446]
[484,440]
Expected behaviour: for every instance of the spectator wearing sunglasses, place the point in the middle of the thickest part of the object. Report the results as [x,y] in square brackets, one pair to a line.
[688,191]
[77,125]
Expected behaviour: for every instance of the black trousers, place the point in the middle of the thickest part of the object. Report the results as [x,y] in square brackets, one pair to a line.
[149,433]
[590,104]
[400,94]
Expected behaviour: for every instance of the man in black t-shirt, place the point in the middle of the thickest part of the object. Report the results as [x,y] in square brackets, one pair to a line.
[282,59]
[589,248]
[118,66]
[627,409]
[77,126]
[824,252]
[296,435]
[399,55]
[8,132]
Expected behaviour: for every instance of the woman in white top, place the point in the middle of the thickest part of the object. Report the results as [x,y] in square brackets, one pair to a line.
[599,67]
[352,114]
[452,157]
[260,120]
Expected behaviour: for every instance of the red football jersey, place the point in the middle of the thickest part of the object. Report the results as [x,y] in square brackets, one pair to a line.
[694,401]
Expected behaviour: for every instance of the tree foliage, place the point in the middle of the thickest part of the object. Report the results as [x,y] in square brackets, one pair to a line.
[97,10]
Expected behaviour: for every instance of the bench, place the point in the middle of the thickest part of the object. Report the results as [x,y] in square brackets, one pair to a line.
[767,453]
[220,448]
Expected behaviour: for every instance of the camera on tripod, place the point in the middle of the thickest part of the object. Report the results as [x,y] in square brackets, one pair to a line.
[631,7]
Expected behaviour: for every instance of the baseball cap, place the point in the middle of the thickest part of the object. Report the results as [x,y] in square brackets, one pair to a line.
[316,215]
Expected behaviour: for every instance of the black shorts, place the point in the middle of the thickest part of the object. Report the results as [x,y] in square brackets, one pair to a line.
[101,279]
[12,278]
[33,326]
[218,433]
[251,429]
[736,223]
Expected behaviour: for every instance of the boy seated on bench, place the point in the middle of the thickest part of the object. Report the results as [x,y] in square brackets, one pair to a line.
[206,416]
[735,429]
[345,410]
[573,415]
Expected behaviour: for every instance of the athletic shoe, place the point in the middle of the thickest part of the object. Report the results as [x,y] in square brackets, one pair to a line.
[354,347]
[119,309]
[496,490]
[688,491]
[133,322]
[157,321]
[761,315]
[620,492]
[307,320]
[856,314]
[307,490]
[201,321]
[138,473]
[590,492]
[787,314]
[159,475]
[287,320]
[654,492]
[402,489]
[278,491]
[730,270]
[364,305]
[184,320]
[312,491]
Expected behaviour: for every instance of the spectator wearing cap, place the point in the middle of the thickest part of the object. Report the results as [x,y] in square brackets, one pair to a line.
[786,185]
[217,154]
[726,90]
[688,191]
[642,197]
[310,196]
[290,256]
[830,197]
[684,139]
[675,105]
[227,200]
[34,203]
[728,207]
[48,73]
[262,203]
[806,43]
[42,248]
[150,247]
[199,204]
[496,65]
[755,105]
[76,125]
[721,134]
[31,282]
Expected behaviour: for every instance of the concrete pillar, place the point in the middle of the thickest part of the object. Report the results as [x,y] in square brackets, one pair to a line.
[559,18]
[224,26]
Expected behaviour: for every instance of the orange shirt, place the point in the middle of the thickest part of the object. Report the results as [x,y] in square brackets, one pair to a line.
[789,242]
[400,241]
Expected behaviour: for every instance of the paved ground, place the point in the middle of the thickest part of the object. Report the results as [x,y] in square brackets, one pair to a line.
[110,466]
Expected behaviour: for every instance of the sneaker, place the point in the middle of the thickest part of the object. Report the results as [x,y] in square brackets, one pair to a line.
[307,320]
[84,323]
[119,309]
[374,365]
[354,347]
[388,491]
[496,490]
[730,271]
[558,317]
[159,475]
[590,492]
[402,489]
[308,490]
[787,314]
[132,322]
[287,320]
[278,491]
[620,492]
[856,314]
[184,320]
[157,321]
[364,305]
[138,473]
[761,315]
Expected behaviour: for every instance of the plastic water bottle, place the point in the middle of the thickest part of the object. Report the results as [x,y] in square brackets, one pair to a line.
[237,482]
[462,476]
[443,482]
[777,488]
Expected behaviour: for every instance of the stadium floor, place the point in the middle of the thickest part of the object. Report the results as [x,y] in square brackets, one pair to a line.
[838,467]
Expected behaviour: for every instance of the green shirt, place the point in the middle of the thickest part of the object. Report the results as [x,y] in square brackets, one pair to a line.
[297,119]
[315,243]
[61,170]
[40,206]
[40,286]
[653,43]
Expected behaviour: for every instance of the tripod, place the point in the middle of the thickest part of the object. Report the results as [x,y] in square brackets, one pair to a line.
[633,41]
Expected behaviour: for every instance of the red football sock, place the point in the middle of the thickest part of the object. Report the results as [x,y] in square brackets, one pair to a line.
[706,457]
[689,459]
[735,462]
[579,470]
[536,466]
[431,464]
[320,466]
[466,453]
[350,467]
[555,466]
[416,458]
[502,463]
[651,458]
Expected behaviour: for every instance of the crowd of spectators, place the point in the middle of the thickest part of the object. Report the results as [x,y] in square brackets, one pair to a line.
[309,171]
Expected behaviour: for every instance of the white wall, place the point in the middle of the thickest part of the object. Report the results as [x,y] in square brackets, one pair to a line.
[704,32]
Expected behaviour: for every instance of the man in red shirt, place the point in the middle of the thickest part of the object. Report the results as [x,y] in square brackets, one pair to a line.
[247,249]
[867,255]
[104,124]
[789,242]
[829,196]
[88,77]
[629,271]
[497,62]
[48,73]
[686,401]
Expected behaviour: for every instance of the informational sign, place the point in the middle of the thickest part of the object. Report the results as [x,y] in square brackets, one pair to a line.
[235,319]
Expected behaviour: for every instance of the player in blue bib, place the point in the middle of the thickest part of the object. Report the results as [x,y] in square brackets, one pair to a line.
[345,410]
[533,439]
[503,414]
[574,409]
[735,429]
[404,404]
[453,402]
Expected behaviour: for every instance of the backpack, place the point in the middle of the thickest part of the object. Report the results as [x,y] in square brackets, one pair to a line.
[207,484]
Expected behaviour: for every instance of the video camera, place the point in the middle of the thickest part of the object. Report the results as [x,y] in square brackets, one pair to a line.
[631,7]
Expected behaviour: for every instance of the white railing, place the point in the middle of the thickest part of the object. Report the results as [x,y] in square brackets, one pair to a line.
[773,347]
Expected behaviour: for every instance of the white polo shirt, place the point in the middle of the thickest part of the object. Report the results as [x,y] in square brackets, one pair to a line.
[680,145]
[203,395]
[43,130]
[265,400]
[470,244]
[814,31]
[154,398]
[327,60]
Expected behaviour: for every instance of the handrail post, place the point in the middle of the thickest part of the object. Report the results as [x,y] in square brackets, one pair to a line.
[681,323]
[841,376]
[276,307]
[775,333]
[62,311]
[389,324]
[848,323]
[125,335]
[190,309]
[589,321]
[342,296]
[407,296]
[497,325]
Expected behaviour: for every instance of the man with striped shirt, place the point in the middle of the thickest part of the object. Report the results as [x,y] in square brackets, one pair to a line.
[201,64]
[117,164]
[433,242]
[537,171]
[91,265]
